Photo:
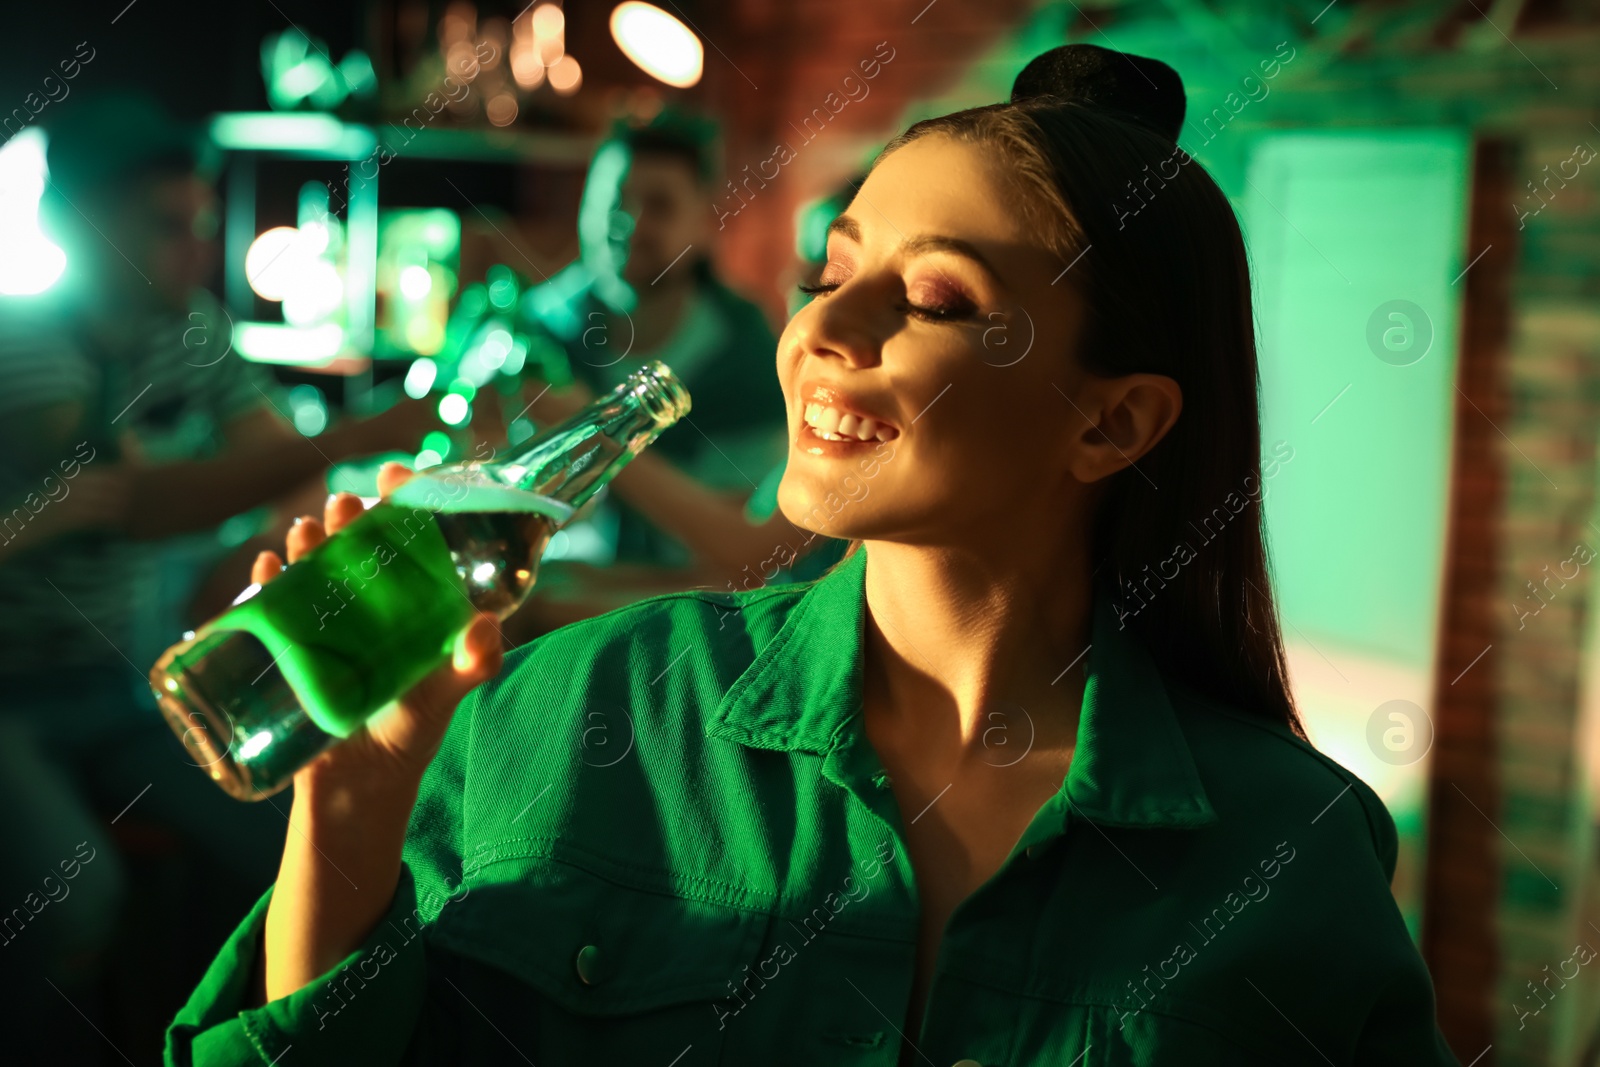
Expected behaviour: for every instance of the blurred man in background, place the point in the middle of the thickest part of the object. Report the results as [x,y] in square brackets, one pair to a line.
[644,288]
[125,422]
[740,541]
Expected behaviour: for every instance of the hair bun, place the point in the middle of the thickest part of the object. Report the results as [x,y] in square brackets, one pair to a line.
[1145,89]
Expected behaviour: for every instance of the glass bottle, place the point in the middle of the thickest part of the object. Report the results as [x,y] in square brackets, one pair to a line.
[266,687]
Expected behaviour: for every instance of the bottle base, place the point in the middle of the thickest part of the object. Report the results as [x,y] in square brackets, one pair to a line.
[234,711]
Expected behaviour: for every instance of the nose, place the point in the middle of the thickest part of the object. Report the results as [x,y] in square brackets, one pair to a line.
[840,325]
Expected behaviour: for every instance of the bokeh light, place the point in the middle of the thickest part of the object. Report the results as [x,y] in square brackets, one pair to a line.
[29,263]
[565,76]
[276,259]
[453,409]
[415,282]
[658,43]
[420,377]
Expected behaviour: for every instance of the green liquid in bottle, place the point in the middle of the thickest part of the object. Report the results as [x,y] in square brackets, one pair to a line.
[367,614]
[351,626]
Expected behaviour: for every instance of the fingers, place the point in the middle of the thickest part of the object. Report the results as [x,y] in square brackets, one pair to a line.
[415,734]
[265,568]
[477,657]
[306,533]
[340,511]
[392,476]
[479,651]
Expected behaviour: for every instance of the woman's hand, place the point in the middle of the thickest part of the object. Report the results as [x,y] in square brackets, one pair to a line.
[341,859]
[396,745]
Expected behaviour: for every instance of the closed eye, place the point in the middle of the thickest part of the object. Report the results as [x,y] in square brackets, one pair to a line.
[948,313]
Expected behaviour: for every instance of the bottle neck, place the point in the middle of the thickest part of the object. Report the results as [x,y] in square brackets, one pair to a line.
[573,460]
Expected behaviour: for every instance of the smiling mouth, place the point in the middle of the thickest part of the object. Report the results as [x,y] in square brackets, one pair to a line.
[831,424]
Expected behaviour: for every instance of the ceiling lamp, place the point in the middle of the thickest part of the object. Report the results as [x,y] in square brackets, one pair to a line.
[658,43]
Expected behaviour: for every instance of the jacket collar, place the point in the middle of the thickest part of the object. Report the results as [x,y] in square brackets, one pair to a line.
[1132,766]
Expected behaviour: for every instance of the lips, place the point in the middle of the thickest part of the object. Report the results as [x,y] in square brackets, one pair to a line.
[831,416]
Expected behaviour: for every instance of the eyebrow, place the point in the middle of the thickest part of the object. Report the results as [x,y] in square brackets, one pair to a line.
[921,244]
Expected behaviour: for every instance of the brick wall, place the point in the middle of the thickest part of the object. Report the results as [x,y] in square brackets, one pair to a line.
[1548,521]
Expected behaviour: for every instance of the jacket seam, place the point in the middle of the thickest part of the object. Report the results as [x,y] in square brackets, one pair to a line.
[1338,770]
[544,847]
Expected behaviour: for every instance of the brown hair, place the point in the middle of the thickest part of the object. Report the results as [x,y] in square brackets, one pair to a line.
[1156,251]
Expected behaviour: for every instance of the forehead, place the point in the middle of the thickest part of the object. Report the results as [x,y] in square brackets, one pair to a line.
[937,184]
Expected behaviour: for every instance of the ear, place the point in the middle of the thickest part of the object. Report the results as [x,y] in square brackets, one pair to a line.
[1124,418]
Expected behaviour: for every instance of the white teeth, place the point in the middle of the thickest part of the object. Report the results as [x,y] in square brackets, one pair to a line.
[833,424]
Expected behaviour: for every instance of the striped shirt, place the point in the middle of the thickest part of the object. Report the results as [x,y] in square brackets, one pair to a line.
[91,597]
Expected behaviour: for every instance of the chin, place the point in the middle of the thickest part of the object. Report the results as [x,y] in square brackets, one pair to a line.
[851,506]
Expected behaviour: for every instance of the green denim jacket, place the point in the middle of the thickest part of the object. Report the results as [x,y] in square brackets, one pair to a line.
[661,837]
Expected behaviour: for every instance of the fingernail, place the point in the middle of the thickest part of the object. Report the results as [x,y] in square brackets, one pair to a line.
[298,519]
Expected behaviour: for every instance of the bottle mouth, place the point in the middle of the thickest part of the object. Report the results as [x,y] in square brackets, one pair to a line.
[660,392]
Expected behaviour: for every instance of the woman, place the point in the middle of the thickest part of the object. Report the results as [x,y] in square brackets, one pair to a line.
[1015,783]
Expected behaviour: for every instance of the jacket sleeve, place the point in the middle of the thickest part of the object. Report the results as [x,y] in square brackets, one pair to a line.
[1401,1030]
[379,1005]
[358,1012]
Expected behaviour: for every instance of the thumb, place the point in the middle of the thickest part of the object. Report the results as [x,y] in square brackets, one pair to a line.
[477,658]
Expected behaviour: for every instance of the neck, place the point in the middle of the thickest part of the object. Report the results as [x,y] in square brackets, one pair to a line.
[956,634]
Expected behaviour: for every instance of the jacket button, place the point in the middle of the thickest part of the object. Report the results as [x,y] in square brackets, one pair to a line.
[968,1063]
[590,964]
[1033,851]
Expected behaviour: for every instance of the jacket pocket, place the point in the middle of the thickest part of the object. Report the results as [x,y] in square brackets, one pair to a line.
[621,967]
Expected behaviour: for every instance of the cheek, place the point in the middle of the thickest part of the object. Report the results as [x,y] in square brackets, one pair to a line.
[992,436]
[788,357]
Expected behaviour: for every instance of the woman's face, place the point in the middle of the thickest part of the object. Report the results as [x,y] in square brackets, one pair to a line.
[945,322]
